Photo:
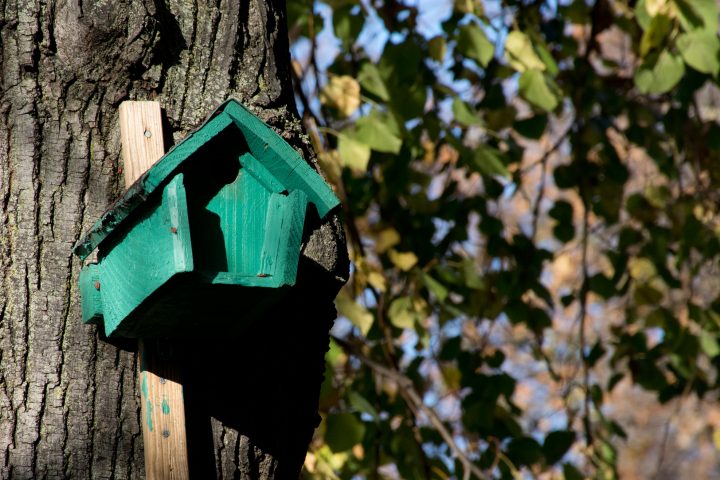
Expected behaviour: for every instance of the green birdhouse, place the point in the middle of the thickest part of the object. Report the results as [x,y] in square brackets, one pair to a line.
[207,237]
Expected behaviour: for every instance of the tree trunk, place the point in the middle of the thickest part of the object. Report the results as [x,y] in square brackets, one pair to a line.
[68,401]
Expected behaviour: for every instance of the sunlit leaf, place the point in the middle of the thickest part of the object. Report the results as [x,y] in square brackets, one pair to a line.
[403,260]
[709,343]
[353,154]
[342,93]
[355,312]
[520,53]
[659,73]
[537,89]
[378,132]
[463,114]
[698,15]
[701,51]
[386,238]
[656,34]
[401,313]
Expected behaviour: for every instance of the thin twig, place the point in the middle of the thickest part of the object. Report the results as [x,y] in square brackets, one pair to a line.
[406,385]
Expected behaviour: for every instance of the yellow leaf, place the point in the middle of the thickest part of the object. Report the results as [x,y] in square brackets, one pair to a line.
[716,438]
[641,269]
[377,280]
[403,260]
[520,52]
[356,313]
[654,7]
[342,93]
[386,239]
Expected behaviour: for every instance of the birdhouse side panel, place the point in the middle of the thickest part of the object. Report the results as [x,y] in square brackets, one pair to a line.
[143,257]
[90,298]
[283,234]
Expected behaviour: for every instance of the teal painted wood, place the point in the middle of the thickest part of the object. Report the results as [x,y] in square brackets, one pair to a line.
[275,155]
[90,298]
[143,258]
[283,226]
[138,192]
[281,159]
[222,213]
[261,174]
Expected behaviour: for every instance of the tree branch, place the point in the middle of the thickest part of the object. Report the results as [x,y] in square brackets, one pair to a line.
[415,402]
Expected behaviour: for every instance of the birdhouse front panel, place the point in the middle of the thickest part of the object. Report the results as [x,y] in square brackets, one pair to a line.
[218,218]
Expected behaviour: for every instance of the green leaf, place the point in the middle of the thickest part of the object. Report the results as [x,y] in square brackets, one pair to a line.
[353,154]
[698,15]
[656,34]
[562,212]
[701,51]
[524,451]
[402,313]
[356,313]
[473,43]
[437,288]
[641,15]
[371,80]
[437,48]
[379,132]
[532,127]
[709,343]
[570,472]
[463,114]
[471,275]
[659,73]
[546,57]
[343,431]
[520,53]
[346,25]
[536,88]
[489,161]
[360,403]
[556,444]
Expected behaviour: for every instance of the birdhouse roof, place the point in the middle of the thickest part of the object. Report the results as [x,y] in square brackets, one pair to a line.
[271,150]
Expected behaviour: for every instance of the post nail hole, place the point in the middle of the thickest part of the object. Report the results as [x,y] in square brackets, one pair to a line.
[166,433]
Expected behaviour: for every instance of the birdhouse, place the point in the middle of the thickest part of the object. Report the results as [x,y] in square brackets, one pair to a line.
[207,238]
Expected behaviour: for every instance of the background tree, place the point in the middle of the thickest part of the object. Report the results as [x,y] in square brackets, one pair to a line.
[530,189]
[68,401]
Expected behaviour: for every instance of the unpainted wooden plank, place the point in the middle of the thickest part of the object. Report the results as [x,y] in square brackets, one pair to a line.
[146,148]
[165,448]
[141,189]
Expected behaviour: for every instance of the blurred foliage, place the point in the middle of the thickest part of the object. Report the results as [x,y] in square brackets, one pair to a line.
[530,190]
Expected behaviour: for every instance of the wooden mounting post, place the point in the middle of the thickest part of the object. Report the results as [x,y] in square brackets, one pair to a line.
[163,409]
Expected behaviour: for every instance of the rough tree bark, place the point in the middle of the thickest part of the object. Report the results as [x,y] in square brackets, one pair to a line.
[68,402]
